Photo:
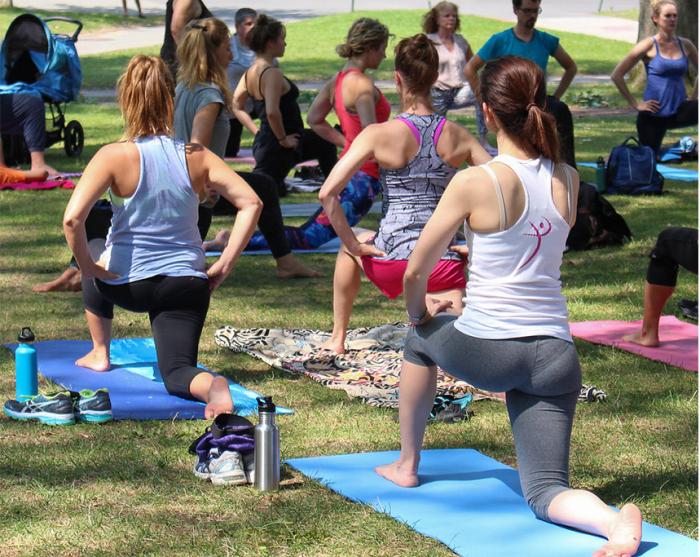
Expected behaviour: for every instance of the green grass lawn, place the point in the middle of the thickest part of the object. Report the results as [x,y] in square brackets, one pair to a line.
[92,21]
[307,60]
[127,489]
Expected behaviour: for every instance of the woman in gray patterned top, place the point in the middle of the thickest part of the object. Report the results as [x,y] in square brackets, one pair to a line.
[418,153]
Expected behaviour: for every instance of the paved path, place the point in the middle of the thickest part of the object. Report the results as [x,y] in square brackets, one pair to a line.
[559,15]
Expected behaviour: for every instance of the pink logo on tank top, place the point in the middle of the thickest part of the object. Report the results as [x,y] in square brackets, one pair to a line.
[540,231]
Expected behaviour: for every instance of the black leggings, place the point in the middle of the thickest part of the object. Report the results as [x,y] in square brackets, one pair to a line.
[176,306]
[651,128]
[276,161]
[565,129]
[270,223]
[675,247]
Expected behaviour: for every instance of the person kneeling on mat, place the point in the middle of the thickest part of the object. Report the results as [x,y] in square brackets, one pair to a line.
[154,261]
[513,334]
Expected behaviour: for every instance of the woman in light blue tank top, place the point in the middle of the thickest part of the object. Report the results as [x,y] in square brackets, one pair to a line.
[154,261]
[517,212]
[666,104]
[418,152]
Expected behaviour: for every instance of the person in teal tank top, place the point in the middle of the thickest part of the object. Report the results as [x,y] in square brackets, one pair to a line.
[154,261]
[666,105]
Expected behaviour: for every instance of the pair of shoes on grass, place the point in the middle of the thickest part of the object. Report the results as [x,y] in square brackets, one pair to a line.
[226,467]
[63,408]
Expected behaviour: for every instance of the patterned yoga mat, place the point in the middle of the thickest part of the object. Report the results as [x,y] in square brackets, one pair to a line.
[368,370]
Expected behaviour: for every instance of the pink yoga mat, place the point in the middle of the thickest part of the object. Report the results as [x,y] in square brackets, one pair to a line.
[47,185]
[679,340]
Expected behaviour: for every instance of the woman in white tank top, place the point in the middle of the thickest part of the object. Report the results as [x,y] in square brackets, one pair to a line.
[513,334]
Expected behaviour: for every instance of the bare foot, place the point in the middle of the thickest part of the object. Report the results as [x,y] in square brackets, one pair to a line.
[69,281]
[643,338]
[36,175]
[336,345]
[50,170]
[218,399]
[289,266]
[219,242]
[397,474]
[624,534]
[96,360]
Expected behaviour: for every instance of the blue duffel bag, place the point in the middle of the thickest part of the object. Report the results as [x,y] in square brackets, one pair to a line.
[631,170]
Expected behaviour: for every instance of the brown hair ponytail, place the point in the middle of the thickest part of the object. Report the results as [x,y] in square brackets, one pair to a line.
[514,89]
[416,59]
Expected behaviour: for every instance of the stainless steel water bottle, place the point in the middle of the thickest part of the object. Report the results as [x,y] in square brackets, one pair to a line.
[26,380]
[267,447]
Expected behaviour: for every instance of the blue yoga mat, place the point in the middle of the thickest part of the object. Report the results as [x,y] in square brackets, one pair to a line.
[329,247]
[472,504]
[135,387]
[308,209]
[668,172]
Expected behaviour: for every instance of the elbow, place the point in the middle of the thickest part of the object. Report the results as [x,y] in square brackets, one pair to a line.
[70,223]
[573,69]
[323,196]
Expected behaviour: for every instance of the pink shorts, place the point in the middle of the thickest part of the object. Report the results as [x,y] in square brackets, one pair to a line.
[388,275]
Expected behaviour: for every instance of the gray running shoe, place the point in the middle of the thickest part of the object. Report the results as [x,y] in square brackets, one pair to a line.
[93,407]
[55,409]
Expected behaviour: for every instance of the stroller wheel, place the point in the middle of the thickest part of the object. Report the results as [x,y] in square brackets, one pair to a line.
[73,138]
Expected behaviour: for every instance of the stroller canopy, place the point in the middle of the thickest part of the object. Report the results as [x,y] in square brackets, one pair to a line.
[34,60]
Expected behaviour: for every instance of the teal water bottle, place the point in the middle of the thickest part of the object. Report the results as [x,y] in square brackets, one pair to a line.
[600,183]
[26,384]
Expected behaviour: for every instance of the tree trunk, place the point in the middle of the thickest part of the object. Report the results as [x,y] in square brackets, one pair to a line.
[6,4]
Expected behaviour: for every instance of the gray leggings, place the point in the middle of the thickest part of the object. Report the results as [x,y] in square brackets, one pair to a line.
[541,377]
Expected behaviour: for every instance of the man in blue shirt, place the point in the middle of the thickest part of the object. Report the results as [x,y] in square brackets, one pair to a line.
[527,42]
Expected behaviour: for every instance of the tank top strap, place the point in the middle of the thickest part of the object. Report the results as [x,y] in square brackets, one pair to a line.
[680,45]
[569,193]
[656,46]
[262,73]
[438,130]
[502,220]
[411,126]
[338,103]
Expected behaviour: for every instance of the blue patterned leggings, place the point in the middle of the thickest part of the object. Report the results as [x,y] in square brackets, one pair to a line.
[356,200]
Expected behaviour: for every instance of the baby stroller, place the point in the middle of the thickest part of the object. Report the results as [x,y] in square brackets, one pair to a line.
[35,61]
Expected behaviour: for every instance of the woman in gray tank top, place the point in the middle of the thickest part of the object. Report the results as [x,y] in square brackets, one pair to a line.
[513,335]
[154,261]
[418,152]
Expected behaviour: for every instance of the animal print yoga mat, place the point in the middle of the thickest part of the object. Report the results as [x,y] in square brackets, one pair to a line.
[368,370]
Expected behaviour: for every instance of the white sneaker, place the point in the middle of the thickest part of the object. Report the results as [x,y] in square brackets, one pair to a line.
[227,469]
[249,466]
[201,467]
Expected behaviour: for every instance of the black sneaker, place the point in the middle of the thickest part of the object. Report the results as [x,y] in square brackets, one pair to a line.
[689,308]
[56,409]
[92,406]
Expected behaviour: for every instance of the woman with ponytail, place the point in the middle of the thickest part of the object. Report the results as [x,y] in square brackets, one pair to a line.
[513,334]
[666,105]
[418,153]
[281,140]
[203,103]
[357,103]
[154,262]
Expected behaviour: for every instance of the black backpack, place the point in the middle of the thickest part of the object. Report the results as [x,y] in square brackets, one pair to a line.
[597,222]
